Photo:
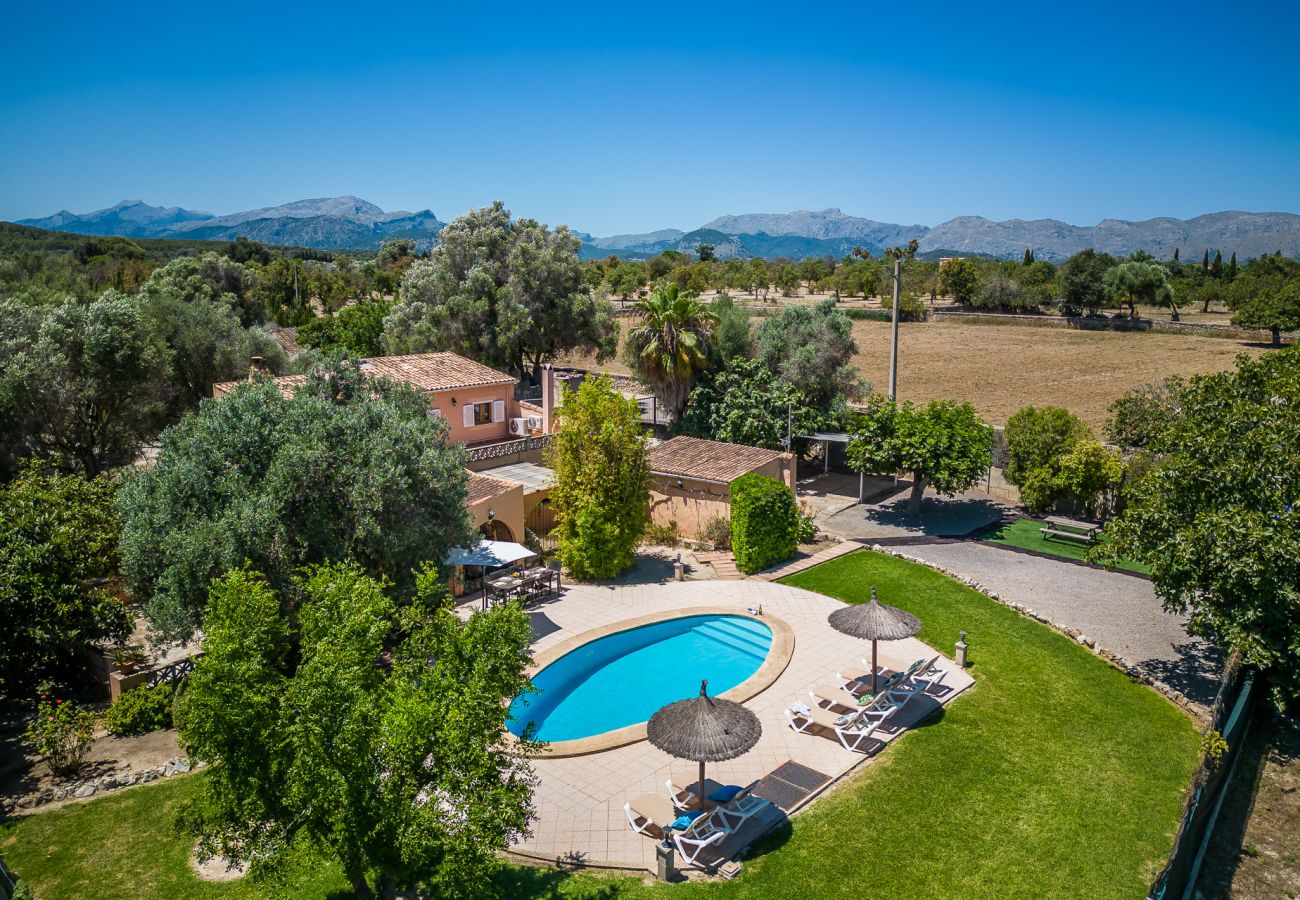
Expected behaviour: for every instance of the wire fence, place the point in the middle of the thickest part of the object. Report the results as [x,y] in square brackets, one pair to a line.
[1233,709]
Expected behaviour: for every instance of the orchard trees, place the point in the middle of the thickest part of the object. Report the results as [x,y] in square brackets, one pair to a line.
[507,292]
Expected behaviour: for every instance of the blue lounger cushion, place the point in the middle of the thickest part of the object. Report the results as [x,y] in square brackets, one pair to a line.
[725,794]
[682,822]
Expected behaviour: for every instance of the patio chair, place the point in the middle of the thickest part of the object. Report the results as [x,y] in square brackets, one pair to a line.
[647,812]
[851,729]
[702,832]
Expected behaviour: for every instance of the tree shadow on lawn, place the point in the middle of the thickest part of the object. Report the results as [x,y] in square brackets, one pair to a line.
[545,881]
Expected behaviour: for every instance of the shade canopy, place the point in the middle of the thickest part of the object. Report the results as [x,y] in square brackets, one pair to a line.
[874,621]
[704,728]
[490,554]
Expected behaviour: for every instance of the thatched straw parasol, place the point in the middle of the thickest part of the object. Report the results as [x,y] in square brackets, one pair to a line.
[704,729]
[873,622]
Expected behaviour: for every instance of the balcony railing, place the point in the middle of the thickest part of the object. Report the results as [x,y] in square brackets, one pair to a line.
[508,448]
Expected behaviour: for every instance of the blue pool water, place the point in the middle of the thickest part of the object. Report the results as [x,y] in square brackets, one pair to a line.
[624,678]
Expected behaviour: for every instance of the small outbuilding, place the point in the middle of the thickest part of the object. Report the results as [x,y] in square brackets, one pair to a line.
[692,479]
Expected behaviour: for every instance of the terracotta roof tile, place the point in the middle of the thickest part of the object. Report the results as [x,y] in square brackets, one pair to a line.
[435,371]
[424,371]
[689,457]
[481,488]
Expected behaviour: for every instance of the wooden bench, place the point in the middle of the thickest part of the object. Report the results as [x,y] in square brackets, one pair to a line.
[1070,529]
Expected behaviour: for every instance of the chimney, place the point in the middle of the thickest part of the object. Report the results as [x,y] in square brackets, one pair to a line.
[548,397]
[256,366]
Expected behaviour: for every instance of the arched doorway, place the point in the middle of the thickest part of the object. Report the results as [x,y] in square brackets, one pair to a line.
[496,530]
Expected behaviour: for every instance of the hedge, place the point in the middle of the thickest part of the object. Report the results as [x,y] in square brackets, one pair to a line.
[764,522]
[142,709]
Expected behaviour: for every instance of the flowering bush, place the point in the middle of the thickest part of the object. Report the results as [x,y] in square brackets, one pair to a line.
[61,733]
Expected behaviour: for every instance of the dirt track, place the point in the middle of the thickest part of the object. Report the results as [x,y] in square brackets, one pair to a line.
[1000,368]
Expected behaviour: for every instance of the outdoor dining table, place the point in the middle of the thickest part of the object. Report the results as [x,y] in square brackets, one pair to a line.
[532,584]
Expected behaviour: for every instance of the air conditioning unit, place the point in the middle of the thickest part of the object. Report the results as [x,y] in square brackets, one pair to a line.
[534,423]
[518,427]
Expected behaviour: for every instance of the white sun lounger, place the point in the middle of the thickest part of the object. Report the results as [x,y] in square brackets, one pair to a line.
[852,732]
[734,813]
[647,812]
[705,831]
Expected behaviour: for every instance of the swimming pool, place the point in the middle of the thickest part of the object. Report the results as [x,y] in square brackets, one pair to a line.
[623,678]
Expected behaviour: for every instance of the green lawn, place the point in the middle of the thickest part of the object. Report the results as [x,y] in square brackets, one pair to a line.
[124,845]
[1025,534]
[1055,776]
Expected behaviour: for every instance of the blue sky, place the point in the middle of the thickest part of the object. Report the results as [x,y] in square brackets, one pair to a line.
[615,119]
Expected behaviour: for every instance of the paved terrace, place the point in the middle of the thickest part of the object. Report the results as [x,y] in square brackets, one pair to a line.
[579,800]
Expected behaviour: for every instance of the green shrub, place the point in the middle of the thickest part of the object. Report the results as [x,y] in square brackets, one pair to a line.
[764,522]
[61,733]
[1037,436]
[141,709]
[22,891]
[911,308]
[717,531]
[661,535]
[1085,476]
[871,315]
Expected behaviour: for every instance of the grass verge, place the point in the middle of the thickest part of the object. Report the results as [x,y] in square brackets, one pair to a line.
[1026,534]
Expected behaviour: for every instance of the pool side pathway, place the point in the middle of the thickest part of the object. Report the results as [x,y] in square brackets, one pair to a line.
[579,800]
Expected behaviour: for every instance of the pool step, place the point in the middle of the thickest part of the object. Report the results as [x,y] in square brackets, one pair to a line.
[742,639]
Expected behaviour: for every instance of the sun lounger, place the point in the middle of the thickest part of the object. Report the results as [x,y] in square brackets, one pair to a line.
[704,831]
[648,813]
[836,696]
[851,729]
[734,811]
[682,798]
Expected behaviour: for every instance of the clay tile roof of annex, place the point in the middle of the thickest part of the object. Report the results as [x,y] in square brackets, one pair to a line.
[482,487]
[435,371]
[688,457]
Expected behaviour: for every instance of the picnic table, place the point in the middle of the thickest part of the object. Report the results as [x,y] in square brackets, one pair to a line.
[1070,529]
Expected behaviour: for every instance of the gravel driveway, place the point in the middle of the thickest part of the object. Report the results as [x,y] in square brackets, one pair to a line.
[1119,612]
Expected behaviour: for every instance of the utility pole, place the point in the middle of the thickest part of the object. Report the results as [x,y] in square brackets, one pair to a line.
[893,337]
[897,254]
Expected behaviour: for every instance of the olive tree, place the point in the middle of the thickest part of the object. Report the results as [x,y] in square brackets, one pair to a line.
[83,383]
[506,292]
[343,468]
[811,348]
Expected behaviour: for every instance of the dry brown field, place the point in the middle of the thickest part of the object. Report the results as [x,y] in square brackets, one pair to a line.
[1000,368]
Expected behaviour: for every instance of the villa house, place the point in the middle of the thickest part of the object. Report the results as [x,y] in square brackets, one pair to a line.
[503,436]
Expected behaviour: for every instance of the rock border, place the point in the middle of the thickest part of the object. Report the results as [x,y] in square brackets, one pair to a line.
[69,791]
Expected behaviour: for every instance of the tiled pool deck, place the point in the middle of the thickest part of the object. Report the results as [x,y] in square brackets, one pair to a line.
[579,800]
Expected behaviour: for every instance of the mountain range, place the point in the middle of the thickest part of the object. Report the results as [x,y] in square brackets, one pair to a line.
[329,223]
[355,224]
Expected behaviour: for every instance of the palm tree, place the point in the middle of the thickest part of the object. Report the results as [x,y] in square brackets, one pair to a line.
[669,347]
